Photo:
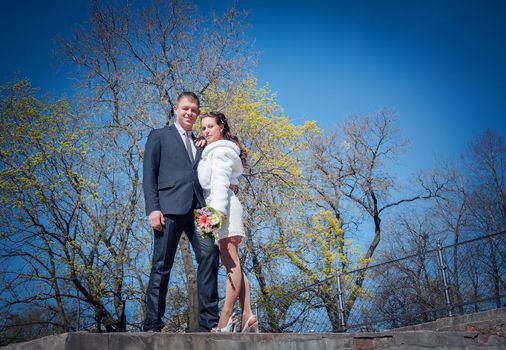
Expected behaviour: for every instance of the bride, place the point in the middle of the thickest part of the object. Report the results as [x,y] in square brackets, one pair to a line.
[220,166]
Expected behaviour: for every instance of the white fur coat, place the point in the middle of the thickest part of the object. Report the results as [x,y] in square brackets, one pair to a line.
[219,167]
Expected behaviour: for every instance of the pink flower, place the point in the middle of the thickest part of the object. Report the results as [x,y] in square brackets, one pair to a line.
[208,221]
[204,221]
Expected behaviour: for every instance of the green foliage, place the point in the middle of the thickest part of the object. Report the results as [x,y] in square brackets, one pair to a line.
[48,214]
[41,146]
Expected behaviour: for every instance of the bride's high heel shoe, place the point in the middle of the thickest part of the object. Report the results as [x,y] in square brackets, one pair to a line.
[248,328]
[229,328]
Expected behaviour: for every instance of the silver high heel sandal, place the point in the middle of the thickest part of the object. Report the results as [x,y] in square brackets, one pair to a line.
[251,328]
[229,328]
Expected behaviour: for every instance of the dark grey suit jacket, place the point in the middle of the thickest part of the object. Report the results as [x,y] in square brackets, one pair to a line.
[170,179]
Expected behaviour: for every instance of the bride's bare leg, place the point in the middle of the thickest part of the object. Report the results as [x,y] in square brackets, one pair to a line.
[244,299]
[230,259]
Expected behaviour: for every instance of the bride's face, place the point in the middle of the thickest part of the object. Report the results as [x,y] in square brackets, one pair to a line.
[211,130]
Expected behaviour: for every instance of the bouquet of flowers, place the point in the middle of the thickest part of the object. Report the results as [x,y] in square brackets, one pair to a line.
[208,221]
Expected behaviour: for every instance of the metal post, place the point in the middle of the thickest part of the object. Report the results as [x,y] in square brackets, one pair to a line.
[256,312]
[443,267]
[78,311]
[340,305]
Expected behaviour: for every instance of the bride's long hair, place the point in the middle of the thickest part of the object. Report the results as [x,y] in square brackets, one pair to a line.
[227,134]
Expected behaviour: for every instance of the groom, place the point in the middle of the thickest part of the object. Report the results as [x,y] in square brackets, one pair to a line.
[171,192]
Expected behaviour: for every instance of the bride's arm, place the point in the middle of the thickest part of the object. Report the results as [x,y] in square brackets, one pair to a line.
[221,172]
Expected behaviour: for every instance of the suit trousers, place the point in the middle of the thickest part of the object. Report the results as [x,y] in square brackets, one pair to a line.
[165,248]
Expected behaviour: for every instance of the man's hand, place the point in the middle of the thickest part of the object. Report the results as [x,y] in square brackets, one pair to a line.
[200,142]
[234,188]
[156,220]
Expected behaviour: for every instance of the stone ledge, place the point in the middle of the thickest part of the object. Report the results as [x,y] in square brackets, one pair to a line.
[484,330]
[266,341]
[486,319]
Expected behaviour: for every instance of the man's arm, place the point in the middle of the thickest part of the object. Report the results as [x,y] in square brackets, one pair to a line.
[151,166]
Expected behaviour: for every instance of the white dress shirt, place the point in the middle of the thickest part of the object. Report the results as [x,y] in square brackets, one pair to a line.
[183,133]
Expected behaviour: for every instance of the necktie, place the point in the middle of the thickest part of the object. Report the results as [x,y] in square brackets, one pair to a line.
[189,147]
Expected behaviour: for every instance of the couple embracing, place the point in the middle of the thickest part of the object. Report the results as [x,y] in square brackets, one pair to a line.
[179,177]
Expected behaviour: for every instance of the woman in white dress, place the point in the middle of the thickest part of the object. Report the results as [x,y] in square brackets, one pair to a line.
[220,166]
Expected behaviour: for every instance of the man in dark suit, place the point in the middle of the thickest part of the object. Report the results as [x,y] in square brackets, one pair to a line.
[171,192]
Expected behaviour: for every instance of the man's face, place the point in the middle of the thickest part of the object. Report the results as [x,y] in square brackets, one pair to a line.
[187,112]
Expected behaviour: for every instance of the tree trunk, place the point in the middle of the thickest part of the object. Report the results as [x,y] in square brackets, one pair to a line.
[357,288]
[191,279]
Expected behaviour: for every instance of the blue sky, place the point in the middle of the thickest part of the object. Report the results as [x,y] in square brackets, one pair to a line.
[439,64]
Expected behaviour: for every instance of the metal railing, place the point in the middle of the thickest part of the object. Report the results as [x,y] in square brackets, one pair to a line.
[455,279]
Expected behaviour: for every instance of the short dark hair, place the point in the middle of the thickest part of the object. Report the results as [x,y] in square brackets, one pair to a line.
[189,95]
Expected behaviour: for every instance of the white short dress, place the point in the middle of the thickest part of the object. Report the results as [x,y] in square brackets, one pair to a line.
[219,167]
